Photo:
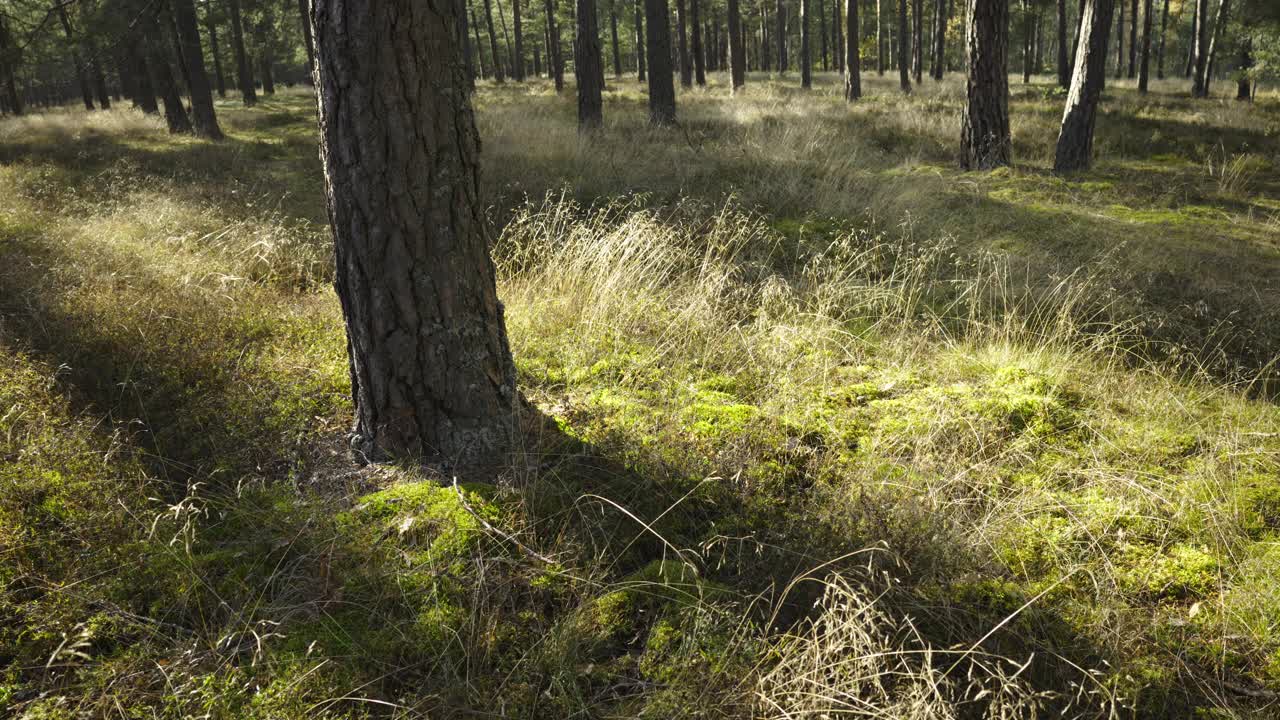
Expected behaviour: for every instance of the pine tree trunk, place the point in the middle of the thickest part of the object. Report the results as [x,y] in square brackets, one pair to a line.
[662,86]
[806,61]
[268,78]
[822,33]
[1164,25]
[244,73]
[308,41]
[985,142]
[737,53]
[1144,67]
[699,59]
[143,87]
[940,39]
[904,60]
[1133,39]
[588,68]
[8,60]
[517,26]
[917,41]
[641,72]
[1120,42]
[82,78]
[613,29]
[1189,71]
[882,52]
[1075,139]
[493,42]
[217,56]
[852,58]
[203,117]
[682,27]
[175,114]
[780,34]
[1064,72]
[431,372]
[555,56]
[837,35]
[99,81]
[479,47]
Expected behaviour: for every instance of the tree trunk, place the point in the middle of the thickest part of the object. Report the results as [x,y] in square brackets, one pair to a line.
[493,42]
[175,114]
[506,39]
[517,27]
[806,61]
[431,372]
[309,42]
[217,56]
[1195,33]
[1075,140]
[852,58]
[588,68]
[145,91]
[904,60]
[737,53]
[682,29]
[475,36]
[985,142]
[99,81]
[882,54]
[243,70]
[1144,67]
[82,78]
[468,52]
[1120,42]
[641,73]
[555,55]
[203,117]
[662,86]
[837,35]
[1244,89]
[1026,43]
[1064,72]
[780,34]
[1133,39]
[1200,84]
[1164,24]
[940,39]
[822,33]
[1219,24]
[9,54]
[613,30]
[917,41]
[699,59]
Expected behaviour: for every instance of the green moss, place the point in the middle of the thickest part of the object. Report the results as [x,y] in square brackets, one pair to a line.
[1179,572]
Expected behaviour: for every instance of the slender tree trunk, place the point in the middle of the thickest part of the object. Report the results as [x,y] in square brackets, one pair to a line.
[985,141]
[917,41]
[662,86]
[1195,34]
[822,33]
[1120,41]
[1028,42]
[1219,23]
[852,58]
[468,51]
[641,48]
[493,42]
[904,60]
[737,53]
[588,67]
[82,77]
[682,29]
[517,65]
[806,60]
[203,117]
[479,47]
[9,55]
[837,35]
[940,39]
[217,55]
[613,31]
[881,51]
[175,114]
[243,70]
[431,372]
[1133,39]
[1164,24]
[308,41]
[1200,83]
[780,34]
[1075,140]
[699,59]
[144,88]
[1064,72]
[1144,67]
[555,56]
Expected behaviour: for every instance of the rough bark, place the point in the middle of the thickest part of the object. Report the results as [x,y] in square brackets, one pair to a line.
[904,60]
[309,42]
[737,53]
[1075,139]
[1199,85]
[431,373]
[806,60]
[1144,66]
[682,26]
[517,27]
[1064,72]
[203,118]
[699,59]
[243,71]
[588,67]
[852,58]
[218,77]
[555,55]
[985,141]
[662,86]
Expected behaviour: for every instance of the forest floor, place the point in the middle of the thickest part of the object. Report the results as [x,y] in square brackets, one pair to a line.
[818,424]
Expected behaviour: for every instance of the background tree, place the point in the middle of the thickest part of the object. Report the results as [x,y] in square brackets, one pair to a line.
[1200,50]
[662,87]
[244,73]
[985,141]
[554,51]
[940,16]
[1074,150]
[517,27]
[686,69]
[852,56]
[737,53]
[904,60]
[699,59]
[641,73]
[588,67]
[413,272]
[1219,24]
[1144,67]
[214,51]
[204,119]
[806,62]
[1064,70]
